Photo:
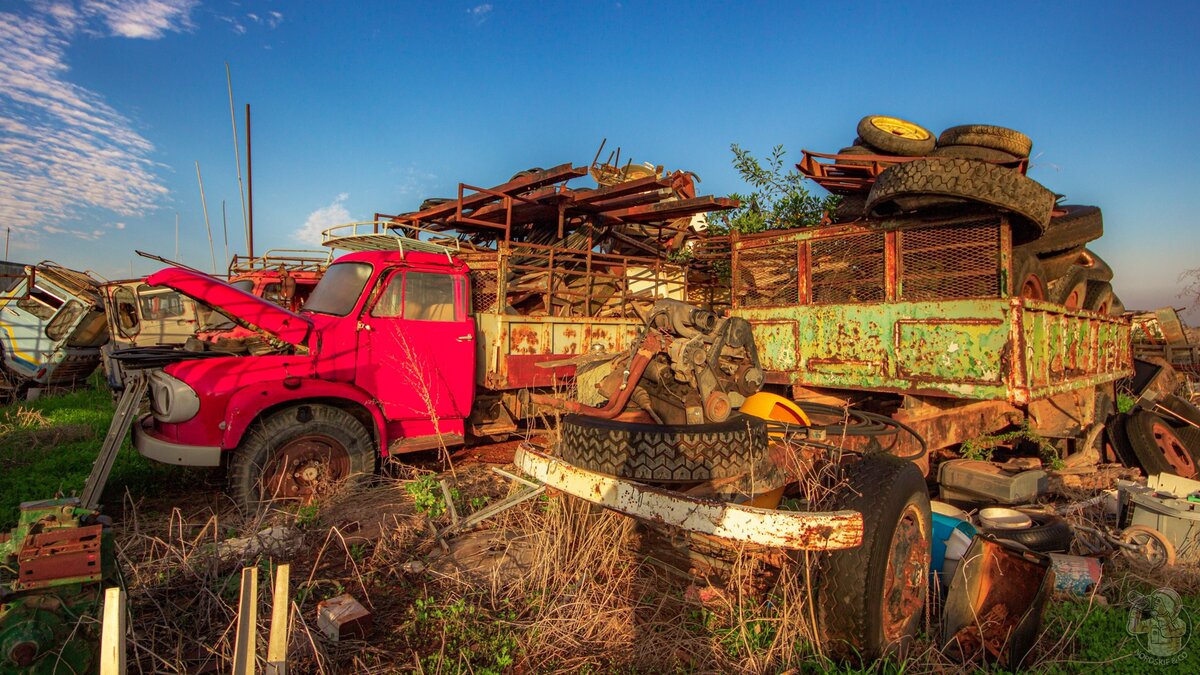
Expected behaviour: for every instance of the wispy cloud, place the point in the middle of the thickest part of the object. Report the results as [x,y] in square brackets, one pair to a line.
[324,218]
[480,12]
[62,147]
[240,25]
[147,19]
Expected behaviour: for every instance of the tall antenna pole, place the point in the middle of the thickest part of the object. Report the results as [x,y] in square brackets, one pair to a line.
[225,228]
[236,155]
[204,204]
[177,235]
[249,190]
[7,234]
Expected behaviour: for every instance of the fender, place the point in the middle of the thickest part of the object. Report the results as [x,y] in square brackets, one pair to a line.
[247,404]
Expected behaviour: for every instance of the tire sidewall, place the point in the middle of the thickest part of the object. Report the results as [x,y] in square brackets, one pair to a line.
[272,433]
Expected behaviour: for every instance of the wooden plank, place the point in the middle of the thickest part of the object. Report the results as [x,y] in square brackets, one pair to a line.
[277,642]
[112,636]
[247,624]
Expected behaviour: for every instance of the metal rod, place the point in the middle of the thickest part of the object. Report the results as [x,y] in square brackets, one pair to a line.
[211,251]
[249,191]
[225,229]
[177,235]
[236,156]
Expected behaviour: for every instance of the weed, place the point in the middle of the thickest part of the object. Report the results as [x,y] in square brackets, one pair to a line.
[983,447]
[475,640]
[358,551]
[306,516]
[427,495]
[1125,401]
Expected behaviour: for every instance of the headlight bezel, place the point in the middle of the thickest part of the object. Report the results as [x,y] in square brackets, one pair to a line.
[171,399]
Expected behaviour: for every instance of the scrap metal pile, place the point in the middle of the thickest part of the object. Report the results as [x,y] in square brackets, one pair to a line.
[542,247]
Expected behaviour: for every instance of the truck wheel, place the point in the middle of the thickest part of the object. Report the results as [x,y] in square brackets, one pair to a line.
[1160,447]
[973,180]
[1028,280]
[870,598]
[1055,264]
[1070,290]
[987,136]
[299,454]
[665,452]
[1099,297]
[896,136]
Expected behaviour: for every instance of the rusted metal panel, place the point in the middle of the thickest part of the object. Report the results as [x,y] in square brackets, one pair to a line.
[510,347]
[1012,350]
[766,527]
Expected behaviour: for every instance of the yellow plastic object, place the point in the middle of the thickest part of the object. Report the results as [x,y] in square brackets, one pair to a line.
[774,407]
[899,127]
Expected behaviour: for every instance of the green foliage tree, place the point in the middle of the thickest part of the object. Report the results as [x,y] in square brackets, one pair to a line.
[778,198]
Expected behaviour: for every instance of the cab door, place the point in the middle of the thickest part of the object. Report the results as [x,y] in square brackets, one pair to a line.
[417,347]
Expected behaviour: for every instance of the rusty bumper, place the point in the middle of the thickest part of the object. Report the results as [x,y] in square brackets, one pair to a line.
[798,530]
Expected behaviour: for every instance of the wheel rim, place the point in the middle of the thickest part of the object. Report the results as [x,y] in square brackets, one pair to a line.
[899,127]
[304,468]
[1150,548]
[1031,288]
[907,579]
[1075,299]
[1173,449]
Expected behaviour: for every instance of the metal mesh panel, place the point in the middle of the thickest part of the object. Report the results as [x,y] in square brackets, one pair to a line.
[950,262]
[767,275]
[483,290]
[848,269]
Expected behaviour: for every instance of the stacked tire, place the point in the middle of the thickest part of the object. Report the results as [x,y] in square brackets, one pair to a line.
[1163,440]
[981,166]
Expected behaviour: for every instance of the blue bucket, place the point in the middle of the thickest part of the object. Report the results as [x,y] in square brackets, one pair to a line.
[943,528]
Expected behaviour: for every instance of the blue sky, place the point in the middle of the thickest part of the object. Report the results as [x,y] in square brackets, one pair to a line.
[105,107]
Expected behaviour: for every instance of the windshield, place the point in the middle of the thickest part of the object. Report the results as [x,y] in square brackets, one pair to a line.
[338,291]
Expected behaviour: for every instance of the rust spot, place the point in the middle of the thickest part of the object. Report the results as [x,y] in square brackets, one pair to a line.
[524,340]
[569,332]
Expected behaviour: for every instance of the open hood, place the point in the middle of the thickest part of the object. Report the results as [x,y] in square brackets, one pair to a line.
[246,309]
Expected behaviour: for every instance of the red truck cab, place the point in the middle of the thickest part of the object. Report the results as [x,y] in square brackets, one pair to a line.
[382,358]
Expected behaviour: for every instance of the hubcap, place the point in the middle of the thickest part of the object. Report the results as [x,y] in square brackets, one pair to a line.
[304,468]
[907,578]
[1173,449]
[899,127]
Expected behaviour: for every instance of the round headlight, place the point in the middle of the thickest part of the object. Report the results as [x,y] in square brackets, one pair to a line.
[171,399]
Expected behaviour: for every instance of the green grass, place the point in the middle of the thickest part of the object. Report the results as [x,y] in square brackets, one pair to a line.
[50,448]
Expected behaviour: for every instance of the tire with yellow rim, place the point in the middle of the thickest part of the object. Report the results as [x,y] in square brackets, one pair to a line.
[896,136]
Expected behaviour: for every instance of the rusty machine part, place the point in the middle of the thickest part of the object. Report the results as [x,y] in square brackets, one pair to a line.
[53,566]
[688,366]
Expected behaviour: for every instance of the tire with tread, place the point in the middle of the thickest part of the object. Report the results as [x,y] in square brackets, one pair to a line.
[1181,407]
[665,452]
[988,136]
[1095,266]
[1071,230]
[918,144]
[850,606]
[1058,264]
[1117,438]
[852,207]
[974,152]
[1048,534]
[1028,279]
[247,461]
[1140,432]
[1070,290]
[973,180]
[1099,297]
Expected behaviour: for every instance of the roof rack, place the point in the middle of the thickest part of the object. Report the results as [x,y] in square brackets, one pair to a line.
[381,235]
[293,260]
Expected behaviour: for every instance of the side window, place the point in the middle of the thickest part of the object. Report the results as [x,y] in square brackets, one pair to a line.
[159,303]
[429,297]
[39,303]
[65,320]
[391,298]
[127,311]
